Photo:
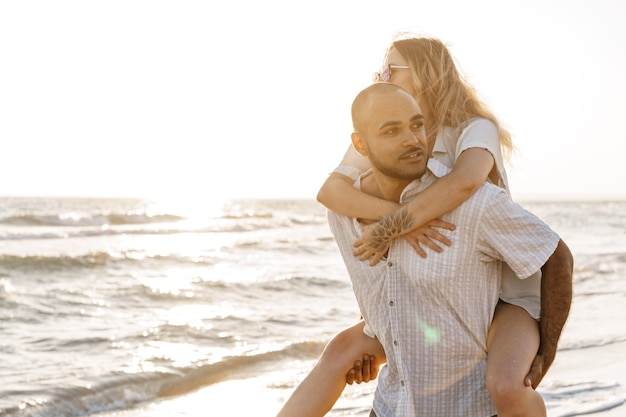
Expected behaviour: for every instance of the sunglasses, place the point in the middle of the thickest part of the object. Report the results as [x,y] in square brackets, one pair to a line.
[385,73]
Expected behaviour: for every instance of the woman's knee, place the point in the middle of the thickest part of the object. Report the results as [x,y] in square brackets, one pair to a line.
[343,349]
[505,391]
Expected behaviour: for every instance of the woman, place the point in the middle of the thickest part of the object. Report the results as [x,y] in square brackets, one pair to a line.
[464,135]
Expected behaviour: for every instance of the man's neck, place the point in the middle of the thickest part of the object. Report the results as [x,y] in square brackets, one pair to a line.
[383,187]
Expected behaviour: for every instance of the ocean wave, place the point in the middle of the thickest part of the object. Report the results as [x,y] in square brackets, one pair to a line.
[237,367]
[590,343]
[80,220]
[91,260]
[575,398]
[5,288]
[35,262]
[247,215]
[218,226]
[118,392]
[303,285]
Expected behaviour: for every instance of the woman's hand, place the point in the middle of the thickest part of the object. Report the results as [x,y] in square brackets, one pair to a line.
[429,237]
[373,246]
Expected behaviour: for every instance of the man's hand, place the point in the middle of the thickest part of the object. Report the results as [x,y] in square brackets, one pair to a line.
[536,373]
[363,371]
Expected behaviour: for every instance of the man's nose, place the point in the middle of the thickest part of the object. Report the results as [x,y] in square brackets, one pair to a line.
[411,139]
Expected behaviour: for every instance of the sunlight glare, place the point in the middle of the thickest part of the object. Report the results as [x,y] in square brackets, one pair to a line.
[195,207]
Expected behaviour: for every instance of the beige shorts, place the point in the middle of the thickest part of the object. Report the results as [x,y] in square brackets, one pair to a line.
[525,293]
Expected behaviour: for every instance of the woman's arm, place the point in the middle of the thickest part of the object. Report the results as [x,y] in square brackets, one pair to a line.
[339,195]
[470,171]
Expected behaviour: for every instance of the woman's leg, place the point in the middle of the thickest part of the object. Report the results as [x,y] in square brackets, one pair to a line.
[319,391]
[512,345]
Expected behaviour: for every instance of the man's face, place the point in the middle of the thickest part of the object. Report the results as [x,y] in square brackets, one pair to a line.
[394,136]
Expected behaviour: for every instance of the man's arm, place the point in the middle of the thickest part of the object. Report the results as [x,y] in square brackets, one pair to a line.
[556,298]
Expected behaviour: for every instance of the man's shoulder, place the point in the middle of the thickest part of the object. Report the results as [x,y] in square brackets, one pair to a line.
[341,225]
[489,193]
[490,189]
[487,197]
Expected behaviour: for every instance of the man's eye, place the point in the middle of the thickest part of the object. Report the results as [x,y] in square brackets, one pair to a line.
[417,125]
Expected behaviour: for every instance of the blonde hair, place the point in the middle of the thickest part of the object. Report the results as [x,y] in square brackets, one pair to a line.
[436,79]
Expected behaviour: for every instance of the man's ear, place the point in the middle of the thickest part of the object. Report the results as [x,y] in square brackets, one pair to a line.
[359,143]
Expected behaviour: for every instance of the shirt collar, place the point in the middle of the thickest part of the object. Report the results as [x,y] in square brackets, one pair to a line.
[434,167]
[437,168]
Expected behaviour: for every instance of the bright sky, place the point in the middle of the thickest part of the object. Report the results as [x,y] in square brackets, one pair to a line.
[252,98]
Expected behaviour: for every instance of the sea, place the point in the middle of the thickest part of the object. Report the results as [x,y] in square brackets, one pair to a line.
[138,307]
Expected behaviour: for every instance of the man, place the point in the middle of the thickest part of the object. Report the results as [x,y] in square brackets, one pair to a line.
[432,314]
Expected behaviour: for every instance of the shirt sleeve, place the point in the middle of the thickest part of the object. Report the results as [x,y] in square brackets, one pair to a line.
[482,133]
[368,331]
[514,235]
[352,165]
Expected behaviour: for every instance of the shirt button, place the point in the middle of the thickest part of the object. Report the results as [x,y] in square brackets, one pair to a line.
[395,343]
[402,383]
[389,263]
[391,303]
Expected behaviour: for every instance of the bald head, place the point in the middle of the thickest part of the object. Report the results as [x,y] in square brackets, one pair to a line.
[365,100]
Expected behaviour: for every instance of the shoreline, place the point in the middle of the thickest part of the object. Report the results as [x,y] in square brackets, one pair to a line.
[574,375]
[598,365]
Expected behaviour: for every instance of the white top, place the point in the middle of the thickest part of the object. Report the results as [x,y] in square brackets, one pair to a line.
[449,144]
[476,133]
[432,315]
